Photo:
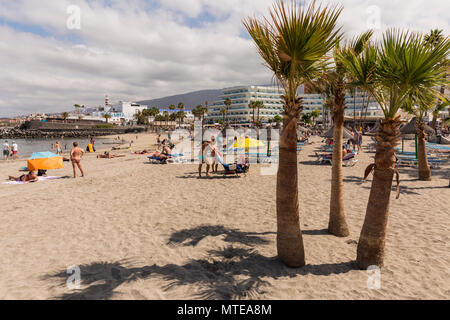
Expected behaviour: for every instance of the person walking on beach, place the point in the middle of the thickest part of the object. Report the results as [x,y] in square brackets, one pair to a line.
[58,148]
[15,150]
[213,155]
[75,156]
[6,150]
[202,158]
[359,141]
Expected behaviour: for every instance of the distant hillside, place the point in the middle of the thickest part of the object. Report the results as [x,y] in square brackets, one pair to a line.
[190,100]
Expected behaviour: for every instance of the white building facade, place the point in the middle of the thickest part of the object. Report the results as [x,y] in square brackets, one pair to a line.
[239,112]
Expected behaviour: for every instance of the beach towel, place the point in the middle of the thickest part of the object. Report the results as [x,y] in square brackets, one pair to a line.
[39,179]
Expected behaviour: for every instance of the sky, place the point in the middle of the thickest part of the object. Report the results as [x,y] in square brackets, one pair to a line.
[57,53]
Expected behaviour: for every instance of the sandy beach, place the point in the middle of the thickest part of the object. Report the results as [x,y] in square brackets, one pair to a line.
[145,231]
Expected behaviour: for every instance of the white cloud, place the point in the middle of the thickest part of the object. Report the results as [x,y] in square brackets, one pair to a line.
[147,49]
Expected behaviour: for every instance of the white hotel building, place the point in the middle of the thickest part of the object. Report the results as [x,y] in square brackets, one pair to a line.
[239,111]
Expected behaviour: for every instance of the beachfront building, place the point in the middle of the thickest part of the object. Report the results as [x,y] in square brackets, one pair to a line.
[122,112]
[126,110]
[239,111]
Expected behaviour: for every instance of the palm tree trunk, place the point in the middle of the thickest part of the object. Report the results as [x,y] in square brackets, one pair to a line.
[337,224]
[424,168]
[289,237]
[373,234]
[365,112]
[354,109]
[435,115]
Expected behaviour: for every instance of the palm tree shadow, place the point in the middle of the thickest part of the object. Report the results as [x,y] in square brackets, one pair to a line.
[191,237]
[227,273]
[322,232]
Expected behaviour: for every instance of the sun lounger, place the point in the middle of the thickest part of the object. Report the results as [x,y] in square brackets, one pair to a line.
[347,161]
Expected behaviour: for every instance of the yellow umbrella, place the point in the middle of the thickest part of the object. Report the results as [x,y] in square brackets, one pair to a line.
[45,161]
[248,143]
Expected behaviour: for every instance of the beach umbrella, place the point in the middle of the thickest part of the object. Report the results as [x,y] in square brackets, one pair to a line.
[411,128]
[248,143]
[330,133]
[44,161]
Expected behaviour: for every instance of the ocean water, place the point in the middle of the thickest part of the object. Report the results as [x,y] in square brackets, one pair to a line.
[28,146]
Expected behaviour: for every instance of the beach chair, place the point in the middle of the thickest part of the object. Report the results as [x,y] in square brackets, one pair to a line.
[241,166]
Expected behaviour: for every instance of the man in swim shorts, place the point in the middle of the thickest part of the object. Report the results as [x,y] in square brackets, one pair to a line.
[75,156]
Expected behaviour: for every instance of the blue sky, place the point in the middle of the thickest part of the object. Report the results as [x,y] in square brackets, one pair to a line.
[137,49]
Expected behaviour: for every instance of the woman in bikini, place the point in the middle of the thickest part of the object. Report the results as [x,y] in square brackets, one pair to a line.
[75,156]
[30,177]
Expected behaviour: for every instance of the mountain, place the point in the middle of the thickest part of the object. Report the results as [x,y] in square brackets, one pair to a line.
[190,100]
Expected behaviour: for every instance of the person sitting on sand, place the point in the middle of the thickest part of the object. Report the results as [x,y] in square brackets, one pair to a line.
[30,177]
[108,155]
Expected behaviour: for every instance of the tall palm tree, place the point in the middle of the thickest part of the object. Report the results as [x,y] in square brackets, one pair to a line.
[107,117]
[252,105]
[294,43]
[434,38]
[337,224]
[421,103]
[224,112]
[405,65]
[227,106]
[258,105]
[65,115]
[166,116]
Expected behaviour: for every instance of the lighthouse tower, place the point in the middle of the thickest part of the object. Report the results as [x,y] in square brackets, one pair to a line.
[106,101]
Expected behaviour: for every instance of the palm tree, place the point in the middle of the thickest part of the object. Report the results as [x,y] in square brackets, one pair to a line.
[224,112]
[418,106]
[405,65]
[166,116]
[227,106]
[181,115]
[337,224]
[315,114]
[252,105]
[259,105]
[107,116]
[434,38]
[293,43]
[65,115]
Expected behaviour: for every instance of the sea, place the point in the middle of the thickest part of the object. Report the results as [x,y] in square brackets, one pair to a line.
[26,147]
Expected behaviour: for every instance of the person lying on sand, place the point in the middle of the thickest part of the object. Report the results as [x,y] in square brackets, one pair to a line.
[108,155]
[142,152]
[30,177]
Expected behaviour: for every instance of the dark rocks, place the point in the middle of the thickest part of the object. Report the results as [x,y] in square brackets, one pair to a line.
[18,133]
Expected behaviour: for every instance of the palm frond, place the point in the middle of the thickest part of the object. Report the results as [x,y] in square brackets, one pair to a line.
[295,42]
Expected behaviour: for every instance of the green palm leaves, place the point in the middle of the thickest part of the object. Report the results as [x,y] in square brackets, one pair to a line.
[295,42]
[403,65]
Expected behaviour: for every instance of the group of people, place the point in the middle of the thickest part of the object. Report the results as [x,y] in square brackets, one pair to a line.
[209,155]
[10,151]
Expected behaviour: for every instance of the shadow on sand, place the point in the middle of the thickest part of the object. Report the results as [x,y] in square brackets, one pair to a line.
[227,273]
